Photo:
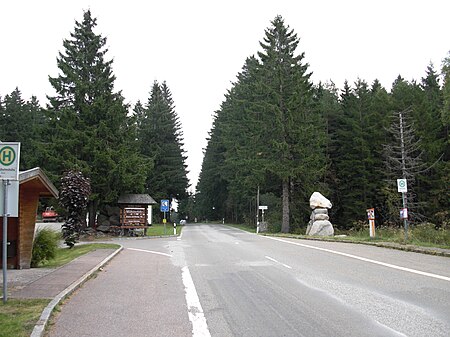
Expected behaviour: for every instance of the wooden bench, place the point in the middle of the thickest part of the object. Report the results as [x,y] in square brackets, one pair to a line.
[120,230]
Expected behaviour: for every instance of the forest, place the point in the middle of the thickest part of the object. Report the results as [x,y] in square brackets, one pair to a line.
[87,127]
[278,137]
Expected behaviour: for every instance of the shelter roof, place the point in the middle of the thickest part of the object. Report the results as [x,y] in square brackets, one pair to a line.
[39,179]
[139,199]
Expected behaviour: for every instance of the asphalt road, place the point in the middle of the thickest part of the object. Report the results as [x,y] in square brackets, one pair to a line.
[220,281]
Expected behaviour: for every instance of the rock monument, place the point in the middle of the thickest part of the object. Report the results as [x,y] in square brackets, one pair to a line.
[319,223]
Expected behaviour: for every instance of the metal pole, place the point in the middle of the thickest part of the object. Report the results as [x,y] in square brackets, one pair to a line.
[405,219]
[257,211]
[402,147]
[5,240]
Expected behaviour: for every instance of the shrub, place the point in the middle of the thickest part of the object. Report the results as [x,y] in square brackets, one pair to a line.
[430,233]
[44,246]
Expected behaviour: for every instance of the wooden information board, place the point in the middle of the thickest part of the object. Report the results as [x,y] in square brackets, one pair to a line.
[133,216]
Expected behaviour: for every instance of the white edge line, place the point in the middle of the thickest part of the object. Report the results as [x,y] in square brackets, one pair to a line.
[283,264]
[393,266]
[271,259]
[149,251]
[195,310]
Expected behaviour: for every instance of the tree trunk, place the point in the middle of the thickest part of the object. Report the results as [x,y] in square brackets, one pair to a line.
[92,206]
[285,201]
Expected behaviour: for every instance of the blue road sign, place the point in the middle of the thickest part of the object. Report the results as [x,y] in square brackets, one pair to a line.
[165,205]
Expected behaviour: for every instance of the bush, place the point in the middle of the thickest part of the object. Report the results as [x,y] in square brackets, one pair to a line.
[44,246]
[430,234]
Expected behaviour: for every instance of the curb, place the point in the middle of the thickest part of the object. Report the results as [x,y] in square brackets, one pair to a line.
[406,248]
[39,327]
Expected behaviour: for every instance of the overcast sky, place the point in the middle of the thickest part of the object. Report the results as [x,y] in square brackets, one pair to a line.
[198,47]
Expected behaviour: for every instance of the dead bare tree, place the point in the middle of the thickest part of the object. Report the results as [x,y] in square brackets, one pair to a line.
[403,158]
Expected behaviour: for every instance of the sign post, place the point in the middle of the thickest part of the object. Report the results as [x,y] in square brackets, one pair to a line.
[371,217]
[165,208]
[402,186]
[9,170]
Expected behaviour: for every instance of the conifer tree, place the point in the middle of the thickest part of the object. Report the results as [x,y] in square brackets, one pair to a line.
[295,132]
[161,140]
[271,133]
[22,122]
[88,127]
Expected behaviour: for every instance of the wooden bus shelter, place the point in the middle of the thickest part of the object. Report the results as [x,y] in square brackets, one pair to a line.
[33,184]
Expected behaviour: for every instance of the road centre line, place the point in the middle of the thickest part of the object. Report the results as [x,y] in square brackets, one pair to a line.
[393,266]
[195,310]
[149,251]
[273,260]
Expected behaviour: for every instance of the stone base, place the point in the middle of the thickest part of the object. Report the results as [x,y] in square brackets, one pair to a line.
[320,228]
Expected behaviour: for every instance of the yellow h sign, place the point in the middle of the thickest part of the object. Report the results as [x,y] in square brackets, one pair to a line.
[9,161]
[7,156]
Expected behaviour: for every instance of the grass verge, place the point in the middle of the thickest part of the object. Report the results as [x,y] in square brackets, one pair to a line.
[158,230]
[65,255]
[246,228]
[423,235]
[18,317]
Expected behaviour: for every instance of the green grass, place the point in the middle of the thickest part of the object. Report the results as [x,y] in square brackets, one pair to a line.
[65,255]
[244,227]
[18,317]
[158,230]
[424,235]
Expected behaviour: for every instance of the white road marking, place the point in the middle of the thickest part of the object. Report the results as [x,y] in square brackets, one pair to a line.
[393,266]
[273,260]
[195,310]
[149,251]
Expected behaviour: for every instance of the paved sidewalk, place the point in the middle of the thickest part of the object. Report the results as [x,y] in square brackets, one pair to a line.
[48,283]
[55,284]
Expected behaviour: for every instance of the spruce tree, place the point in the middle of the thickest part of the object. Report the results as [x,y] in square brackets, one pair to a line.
[431,131]
[293,129]
[161,140]
[88,127]
[22,122]
[268,130]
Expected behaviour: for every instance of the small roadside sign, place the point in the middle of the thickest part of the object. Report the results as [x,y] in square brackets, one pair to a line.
[371,217]
[404,213]
[164,205]
[9,161]
[371,213]
[12,199]
[402,185]
[263,207]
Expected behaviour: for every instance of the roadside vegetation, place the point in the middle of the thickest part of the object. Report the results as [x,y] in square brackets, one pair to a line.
[18,317]
[158,230]
[65,255]
[47,254]
[424,235]
[45,246]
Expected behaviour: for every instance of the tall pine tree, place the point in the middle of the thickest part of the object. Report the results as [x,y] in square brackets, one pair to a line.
[22,122]
[160,139]
[88,125]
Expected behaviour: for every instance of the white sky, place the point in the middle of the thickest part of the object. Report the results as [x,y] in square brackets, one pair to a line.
[198,47]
